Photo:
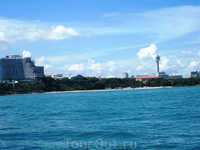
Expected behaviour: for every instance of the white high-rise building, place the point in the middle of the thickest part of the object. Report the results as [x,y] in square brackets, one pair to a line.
[125,75]
[17,67]
[163,75]
[176,76]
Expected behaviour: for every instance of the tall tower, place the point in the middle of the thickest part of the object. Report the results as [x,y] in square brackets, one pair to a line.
[157,58]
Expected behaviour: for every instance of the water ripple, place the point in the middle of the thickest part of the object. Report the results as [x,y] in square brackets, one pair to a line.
[135,119]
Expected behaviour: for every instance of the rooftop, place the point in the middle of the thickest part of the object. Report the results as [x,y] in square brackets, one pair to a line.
[145,77]
[14,56]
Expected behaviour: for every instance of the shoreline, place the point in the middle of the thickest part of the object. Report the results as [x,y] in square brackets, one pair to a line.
[101,90]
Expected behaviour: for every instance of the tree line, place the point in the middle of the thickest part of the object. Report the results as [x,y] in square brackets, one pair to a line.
[49,84]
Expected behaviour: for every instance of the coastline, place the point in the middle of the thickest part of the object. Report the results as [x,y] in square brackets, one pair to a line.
[78,91]
[101,90]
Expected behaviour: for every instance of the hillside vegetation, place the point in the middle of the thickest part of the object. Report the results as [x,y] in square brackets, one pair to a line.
[49,84]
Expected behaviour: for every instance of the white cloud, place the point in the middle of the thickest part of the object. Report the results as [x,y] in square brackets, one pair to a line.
[41,60]
[198,53]
[164,63]
[95,67]
[11,31]
[48,66]
[182,65]
[163,24]
[3,41]
[61,32]
[90,62]
[139,67]
[193,65]
[26,54]
[148,51]
[148,65]
[112,66]
[57,33]
[77,67]
[186,52]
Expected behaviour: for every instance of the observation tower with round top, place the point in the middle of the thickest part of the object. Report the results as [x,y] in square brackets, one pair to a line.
[157,58]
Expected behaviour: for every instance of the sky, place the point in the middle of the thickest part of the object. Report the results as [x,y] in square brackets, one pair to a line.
[103,37]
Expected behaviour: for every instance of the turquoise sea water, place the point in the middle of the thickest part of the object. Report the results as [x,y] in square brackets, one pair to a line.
[135,119]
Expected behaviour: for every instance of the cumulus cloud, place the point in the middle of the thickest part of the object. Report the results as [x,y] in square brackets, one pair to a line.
[26,54]
[13,31]
[148,51]
[57,33]
[162,24]
[193,65]
[61,32]
[3,41]
[139,67]
[164,63]
[182,65]
[90,62]
[77,67]
[112,66]
[148,66]
[41,60]
[95,67]
[47,66]
[92,68]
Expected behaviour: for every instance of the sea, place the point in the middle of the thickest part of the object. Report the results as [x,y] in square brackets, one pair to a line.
[167,118]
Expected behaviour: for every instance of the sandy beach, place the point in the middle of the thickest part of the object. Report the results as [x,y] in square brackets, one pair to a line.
[76,91]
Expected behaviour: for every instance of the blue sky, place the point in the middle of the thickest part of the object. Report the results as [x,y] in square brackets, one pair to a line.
[103,38]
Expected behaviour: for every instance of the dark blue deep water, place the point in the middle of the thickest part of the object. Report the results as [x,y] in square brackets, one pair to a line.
[134,119]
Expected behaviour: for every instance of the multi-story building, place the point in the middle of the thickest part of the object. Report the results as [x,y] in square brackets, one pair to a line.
[48,75]
[125,75]
[57,76]
[195,74]
[17,67]
[176,76]
[1,75]
[132,76]
[163,75]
